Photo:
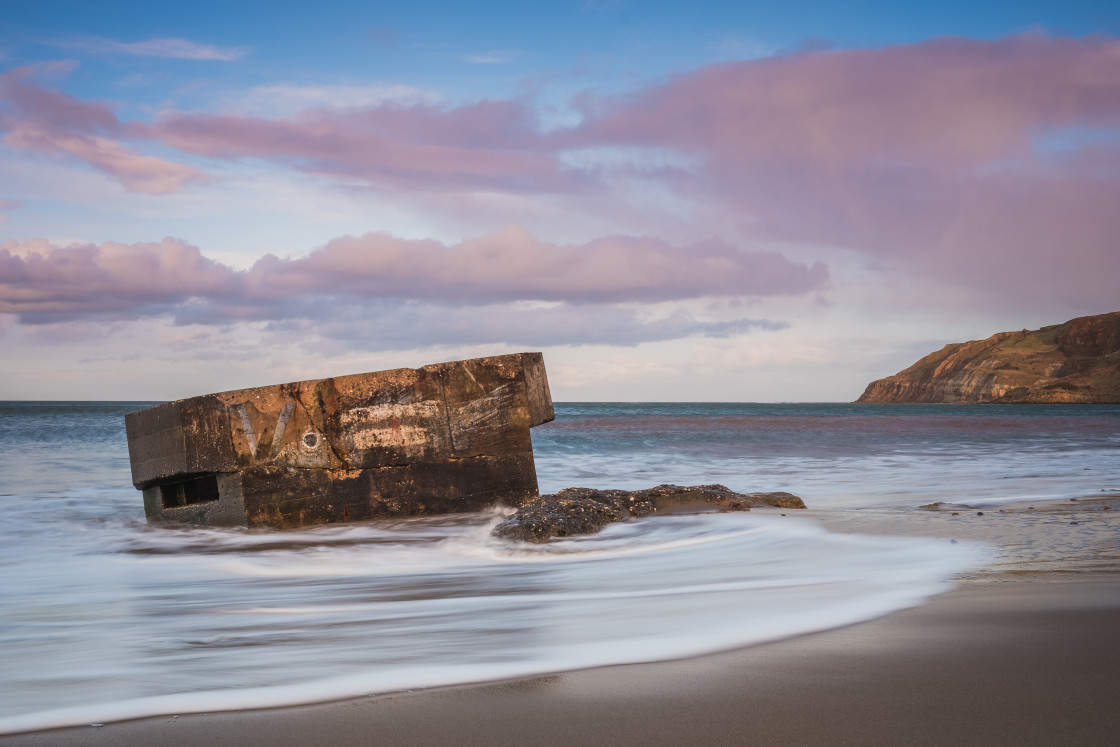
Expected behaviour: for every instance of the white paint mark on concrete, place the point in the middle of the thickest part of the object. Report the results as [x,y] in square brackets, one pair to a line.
[281,426]
[392,425]
[247,426]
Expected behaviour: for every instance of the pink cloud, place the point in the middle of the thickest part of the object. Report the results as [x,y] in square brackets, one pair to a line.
[43,283]
[486,145]
[943,103]
[936,158]
[922,153]
[137,172]
[39,280]
[52,108]
[53,122]
[929,156]
[512,264]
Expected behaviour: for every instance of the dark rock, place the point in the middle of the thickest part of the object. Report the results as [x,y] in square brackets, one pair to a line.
[777,500]
[1092,336]
[575,511]
[942,506]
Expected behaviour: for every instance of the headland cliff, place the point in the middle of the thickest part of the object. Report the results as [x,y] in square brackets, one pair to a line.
[1077,362]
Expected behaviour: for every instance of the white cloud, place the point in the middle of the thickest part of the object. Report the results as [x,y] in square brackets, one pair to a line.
[166,47]
[493,57]
[281,99]
[731,47]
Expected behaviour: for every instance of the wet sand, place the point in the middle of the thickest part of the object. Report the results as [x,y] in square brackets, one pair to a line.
[1025,651]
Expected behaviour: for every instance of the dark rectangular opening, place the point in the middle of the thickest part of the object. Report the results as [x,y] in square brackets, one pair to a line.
[191,492]
[172,494]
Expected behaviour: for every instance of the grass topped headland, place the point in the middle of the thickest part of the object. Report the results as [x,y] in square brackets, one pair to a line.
[1076,363]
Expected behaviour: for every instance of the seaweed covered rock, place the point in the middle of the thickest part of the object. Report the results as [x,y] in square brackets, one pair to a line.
[575,511]
[778,500]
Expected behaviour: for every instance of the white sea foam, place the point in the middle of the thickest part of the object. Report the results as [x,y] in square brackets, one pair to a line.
[429,604]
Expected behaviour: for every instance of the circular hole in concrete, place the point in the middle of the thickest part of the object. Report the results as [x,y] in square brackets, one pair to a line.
[310,440]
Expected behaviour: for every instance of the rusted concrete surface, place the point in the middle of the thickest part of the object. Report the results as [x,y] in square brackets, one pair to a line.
[439,439]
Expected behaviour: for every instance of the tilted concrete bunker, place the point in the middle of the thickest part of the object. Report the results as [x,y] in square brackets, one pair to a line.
[444,438]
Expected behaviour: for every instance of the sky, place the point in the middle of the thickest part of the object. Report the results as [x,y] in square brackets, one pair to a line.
[700,201]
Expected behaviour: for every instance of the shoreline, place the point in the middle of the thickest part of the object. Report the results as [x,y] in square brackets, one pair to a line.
[1021,651]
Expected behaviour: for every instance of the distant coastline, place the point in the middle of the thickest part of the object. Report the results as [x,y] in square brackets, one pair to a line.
[1077,362]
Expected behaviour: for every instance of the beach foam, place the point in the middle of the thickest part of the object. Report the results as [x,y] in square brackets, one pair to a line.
[232,622]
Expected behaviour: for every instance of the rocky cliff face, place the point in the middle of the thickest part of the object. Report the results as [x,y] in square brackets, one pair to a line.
[1075,362]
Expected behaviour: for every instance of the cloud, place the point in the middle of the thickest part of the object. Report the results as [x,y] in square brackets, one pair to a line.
[169,48]
[386,325]
[943,103]
[946,104]
[512,265]
[954,159]
[41,282]
[493,57]
[137,172]
[288,99]
[822,146]
[524,283]
[731,46]
[932,157]
[53,122]
[487,145]
[25,101]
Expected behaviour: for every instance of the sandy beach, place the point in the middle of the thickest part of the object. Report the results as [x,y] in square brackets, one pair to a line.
[1023,651]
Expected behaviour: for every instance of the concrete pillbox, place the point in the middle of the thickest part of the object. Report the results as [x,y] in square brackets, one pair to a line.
[444,438]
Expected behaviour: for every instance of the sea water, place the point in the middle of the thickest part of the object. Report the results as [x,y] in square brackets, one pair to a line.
[103,617]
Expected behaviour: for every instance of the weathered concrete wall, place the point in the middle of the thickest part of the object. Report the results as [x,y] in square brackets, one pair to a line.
[443,438]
